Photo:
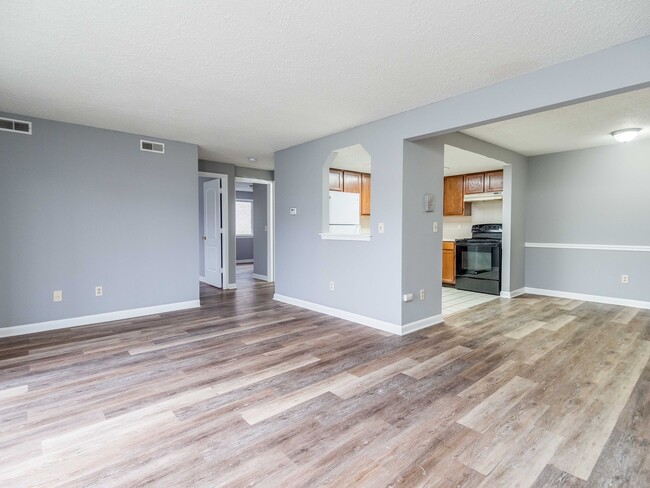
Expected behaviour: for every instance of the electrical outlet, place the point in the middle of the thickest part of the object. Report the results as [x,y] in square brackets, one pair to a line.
[57,296]
[625,279]
[293,211]
[331,286]
[422,294]
[380,227]
[99,291]
[435,227]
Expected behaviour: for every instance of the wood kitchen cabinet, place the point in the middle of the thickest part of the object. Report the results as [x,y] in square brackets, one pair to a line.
[449,262]
[365,194]
[474,183]
[494,181]
[351,182]
[336,180]
[453,201]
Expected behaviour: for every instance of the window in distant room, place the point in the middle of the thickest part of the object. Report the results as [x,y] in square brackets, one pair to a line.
[244,218]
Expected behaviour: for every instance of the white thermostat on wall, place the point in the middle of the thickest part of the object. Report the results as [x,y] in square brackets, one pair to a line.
[293,211]
[428,203]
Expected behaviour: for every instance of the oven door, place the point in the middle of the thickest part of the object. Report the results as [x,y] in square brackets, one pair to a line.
[481,261]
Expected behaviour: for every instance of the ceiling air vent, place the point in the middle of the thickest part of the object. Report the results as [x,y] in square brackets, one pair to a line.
[150,146]
[11,125]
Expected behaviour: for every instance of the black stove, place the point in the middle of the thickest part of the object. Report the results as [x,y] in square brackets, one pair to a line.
[478,260]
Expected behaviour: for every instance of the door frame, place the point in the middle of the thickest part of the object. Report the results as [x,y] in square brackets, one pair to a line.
[226,230]
[270,222]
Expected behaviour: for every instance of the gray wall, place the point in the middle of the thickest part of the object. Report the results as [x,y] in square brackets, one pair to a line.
[245,249]
[259,174]
[81,207]
[369,276]
[591,196]
[233,171]
[260,231]
[421,247]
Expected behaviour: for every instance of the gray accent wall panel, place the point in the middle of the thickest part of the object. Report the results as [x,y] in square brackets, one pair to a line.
[590,272]
[260,232]
[82,207]
[590,196]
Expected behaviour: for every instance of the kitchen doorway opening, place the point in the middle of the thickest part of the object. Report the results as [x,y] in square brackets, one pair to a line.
[472,229]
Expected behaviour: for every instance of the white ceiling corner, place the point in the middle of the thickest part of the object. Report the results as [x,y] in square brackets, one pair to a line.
[352,158]
[249,78]
[461,162]
[579,126]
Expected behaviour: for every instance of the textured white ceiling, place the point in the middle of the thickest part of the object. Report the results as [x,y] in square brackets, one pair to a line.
[246,78]
[586,124]
[353,158]
[461,162]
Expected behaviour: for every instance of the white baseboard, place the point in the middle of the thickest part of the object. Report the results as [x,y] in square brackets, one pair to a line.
[513,294]
[231,286]
[96,319]
[260,277]
[589,298]
[244,261]
[422,324]
[361,319]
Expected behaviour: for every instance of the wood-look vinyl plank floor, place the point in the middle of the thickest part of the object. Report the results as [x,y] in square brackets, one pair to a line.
[532,391]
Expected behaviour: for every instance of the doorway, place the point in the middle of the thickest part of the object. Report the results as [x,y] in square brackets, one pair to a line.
[254,225]
[213,229]
[473,221]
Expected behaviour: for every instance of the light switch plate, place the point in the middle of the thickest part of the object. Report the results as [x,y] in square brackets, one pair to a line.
[57,296]
[293,211]
[380,227]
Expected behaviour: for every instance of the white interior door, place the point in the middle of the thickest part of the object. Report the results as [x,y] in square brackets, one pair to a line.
[213,233]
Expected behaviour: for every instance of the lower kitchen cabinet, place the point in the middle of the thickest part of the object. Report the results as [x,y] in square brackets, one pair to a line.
[449,262]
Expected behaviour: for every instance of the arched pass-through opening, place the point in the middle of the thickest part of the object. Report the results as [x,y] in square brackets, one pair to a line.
[346,194]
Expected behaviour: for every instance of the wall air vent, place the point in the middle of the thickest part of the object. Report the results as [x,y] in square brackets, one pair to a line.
[150,146]
[19,126]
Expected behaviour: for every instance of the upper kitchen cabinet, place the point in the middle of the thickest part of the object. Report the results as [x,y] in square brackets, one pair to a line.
[453,201]
[351,182]
[336,179]
[474,183]
[494,181]
[365,194]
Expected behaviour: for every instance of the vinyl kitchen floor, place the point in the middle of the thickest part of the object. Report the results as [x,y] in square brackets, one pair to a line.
[454,301]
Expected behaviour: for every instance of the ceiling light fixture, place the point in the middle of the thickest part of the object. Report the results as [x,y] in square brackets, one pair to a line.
[252,159]
[625,135]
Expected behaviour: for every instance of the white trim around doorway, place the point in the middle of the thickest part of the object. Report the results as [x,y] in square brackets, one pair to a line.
[226,230]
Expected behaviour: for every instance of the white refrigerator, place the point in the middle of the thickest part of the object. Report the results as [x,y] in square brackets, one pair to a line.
[344,212]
